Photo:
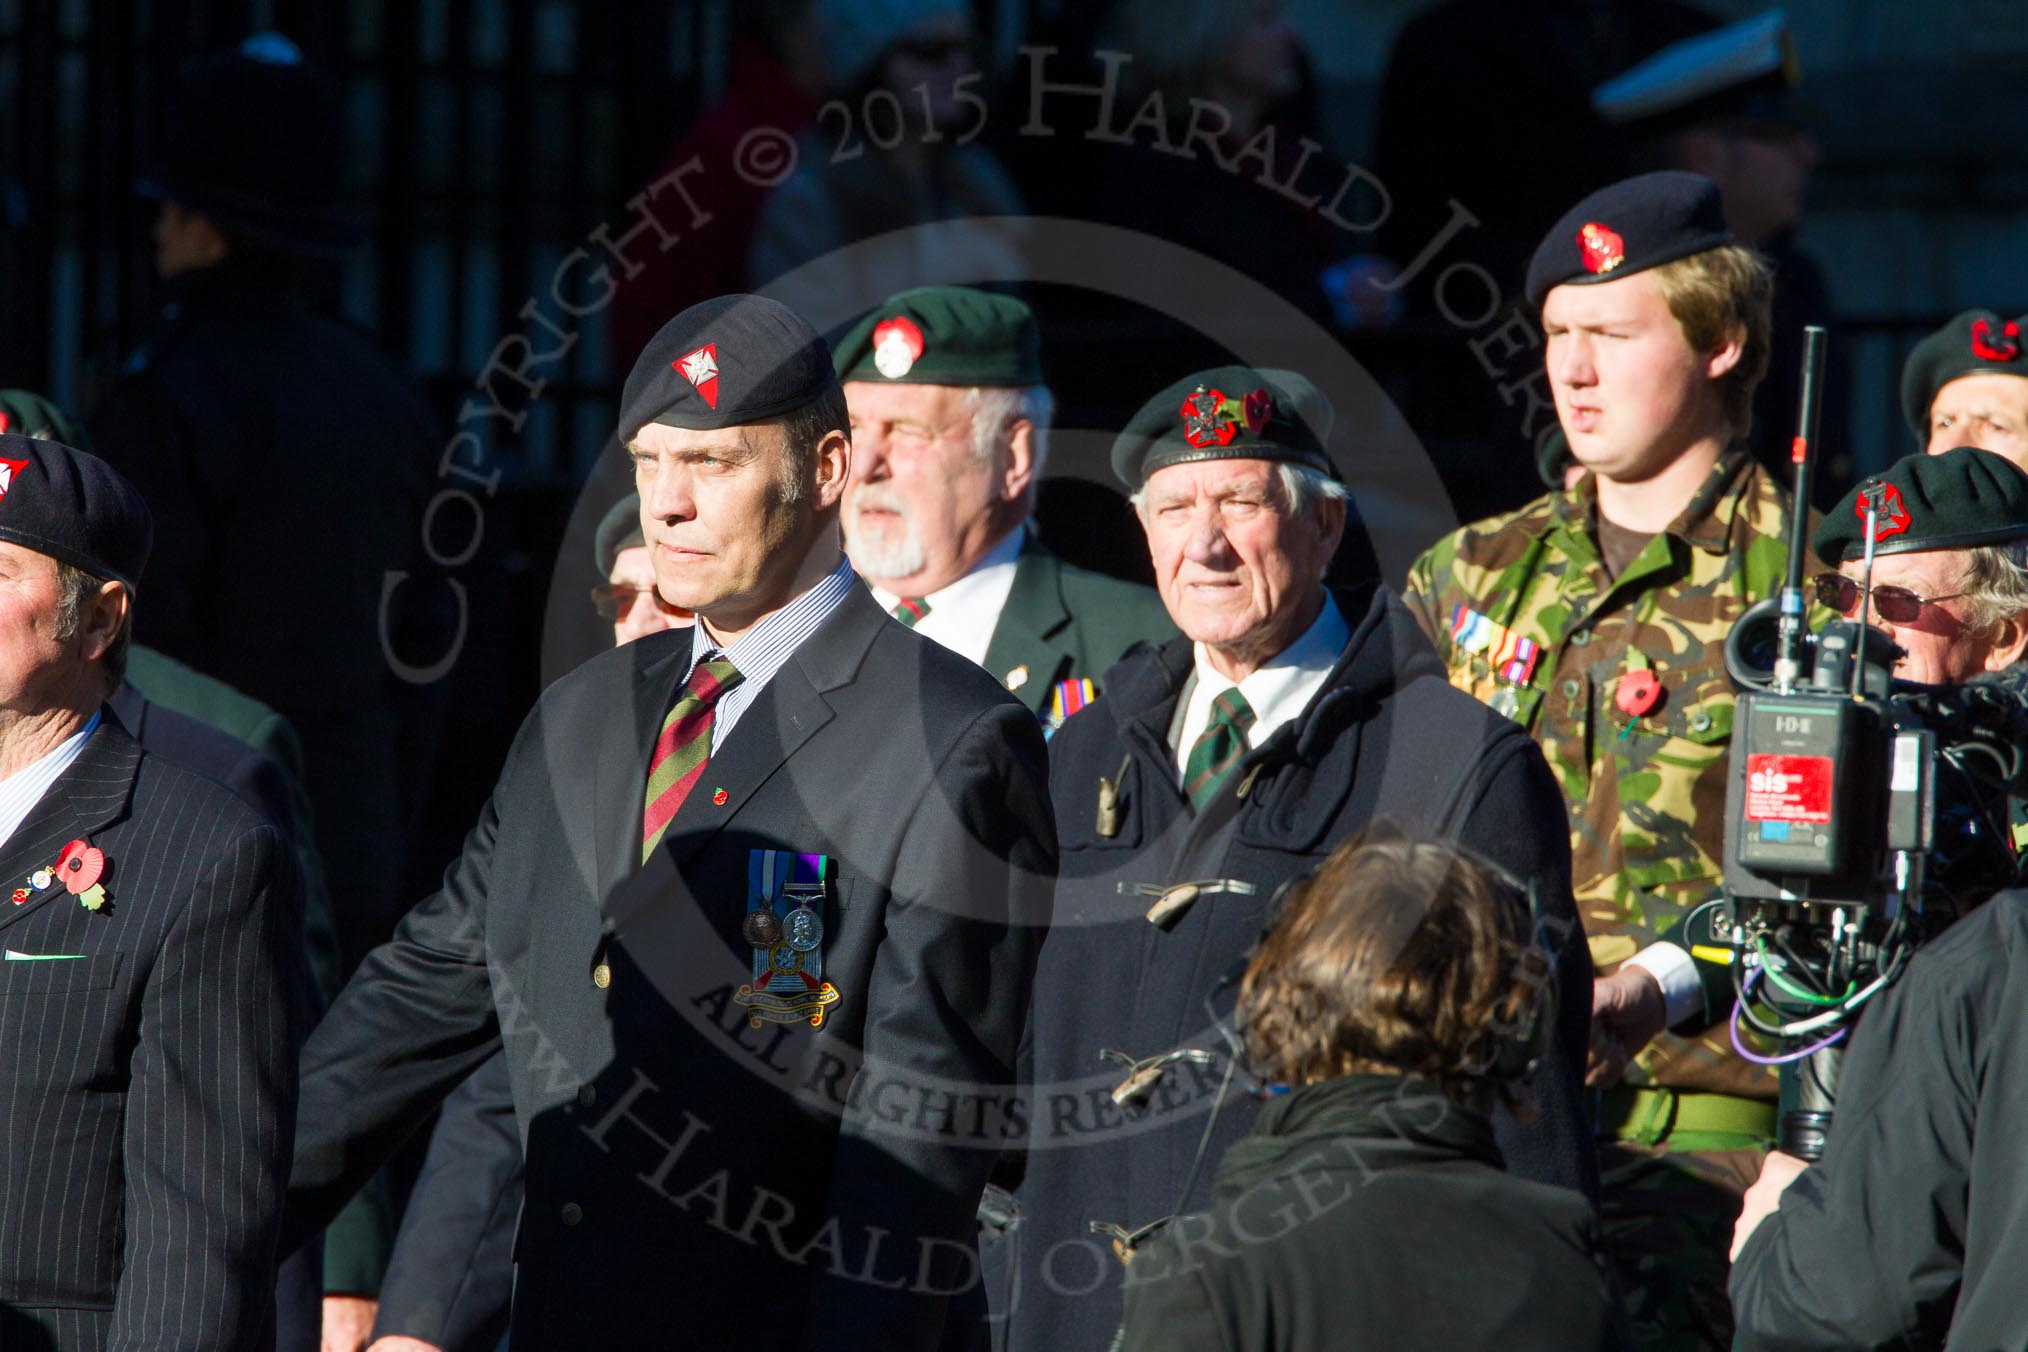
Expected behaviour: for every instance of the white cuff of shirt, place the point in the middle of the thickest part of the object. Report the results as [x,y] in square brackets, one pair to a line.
[1675,971]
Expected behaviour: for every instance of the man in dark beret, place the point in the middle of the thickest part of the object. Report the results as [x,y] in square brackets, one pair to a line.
[1967,385]
[450,1279]
[752,912]
[1214,769]
[1595,617]
[148,1001]
[1950,562]
[950,437]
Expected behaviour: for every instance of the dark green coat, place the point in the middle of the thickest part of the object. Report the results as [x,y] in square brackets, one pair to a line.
[1062,622]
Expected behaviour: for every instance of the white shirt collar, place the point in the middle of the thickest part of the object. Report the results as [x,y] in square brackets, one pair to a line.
[1277,691]
[22,790]
[964,615]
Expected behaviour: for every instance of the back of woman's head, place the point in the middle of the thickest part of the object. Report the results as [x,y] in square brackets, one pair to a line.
[1398,956]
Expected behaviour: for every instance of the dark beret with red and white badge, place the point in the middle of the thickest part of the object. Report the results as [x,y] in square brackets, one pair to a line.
[726,362]
[73,507]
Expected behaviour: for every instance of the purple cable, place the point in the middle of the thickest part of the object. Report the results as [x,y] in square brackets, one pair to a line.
[1739,1004]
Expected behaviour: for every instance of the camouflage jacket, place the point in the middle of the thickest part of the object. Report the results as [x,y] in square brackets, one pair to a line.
[1525,618]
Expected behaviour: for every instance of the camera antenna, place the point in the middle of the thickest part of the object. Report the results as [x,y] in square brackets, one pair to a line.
[1788,666]
[1872,498]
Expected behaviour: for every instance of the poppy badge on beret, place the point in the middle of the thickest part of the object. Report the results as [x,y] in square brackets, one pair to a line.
[1601,247]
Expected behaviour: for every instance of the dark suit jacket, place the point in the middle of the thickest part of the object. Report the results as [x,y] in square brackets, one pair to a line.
[690,1176]
[1386,737]
[1062,622]
[147,1085]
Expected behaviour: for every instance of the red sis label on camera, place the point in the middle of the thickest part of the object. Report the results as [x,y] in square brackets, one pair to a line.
[1788,788]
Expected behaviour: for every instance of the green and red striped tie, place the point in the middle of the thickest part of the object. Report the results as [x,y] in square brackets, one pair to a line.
[910,610]
[1218,748]
[683,748]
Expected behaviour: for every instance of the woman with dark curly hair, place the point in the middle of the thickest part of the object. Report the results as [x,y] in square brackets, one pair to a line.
[1394,997]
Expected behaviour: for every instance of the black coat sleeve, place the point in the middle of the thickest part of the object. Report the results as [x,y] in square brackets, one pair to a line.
[1868,1248]
[451,1280]
[1516,819]
[414,1021]
[949,998]
[209,1113]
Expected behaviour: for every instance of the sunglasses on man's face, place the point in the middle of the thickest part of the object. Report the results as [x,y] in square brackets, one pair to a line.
[613,600]
[1896,605]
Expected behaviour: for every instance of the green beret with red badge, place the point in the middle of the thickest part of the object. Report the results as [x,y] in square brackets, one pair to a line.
[1227,413]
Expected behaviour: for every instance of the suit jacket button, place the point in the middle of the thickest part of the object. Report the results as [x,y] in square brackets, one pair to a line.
[587,1095]
[572,1213]
[602,976]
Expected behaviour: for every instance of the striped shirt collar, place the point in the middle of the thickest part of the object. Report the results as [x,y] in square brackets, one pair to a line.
[22,790]
[767,647]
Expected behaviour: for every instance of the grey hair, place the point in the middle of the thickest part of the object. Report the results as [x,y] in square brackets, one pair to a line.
[1301,489]
[76,588]
[1995,584]
[998,408]
[995,409]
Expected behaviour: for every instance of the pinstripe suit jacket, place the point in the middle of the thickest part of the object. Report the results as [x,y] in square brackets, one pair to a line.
[147,1085]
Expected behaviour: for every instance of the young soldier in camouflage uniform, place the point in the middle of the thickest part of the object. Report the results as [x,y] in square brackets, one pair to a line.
[1596,618]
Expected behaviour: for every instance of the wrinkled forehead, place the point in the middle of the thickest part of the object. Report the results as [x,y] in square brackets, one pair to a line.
[896,401]
[1208,479]
[1983,391]
[1921,570]
[21,561]
[662,439]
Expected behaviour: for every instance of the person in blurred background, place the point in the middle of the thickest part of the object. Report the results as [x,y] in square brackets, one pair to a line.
[1724,104]
[285,459]
[775,77]
[908,78]
[284,456]
[950,436]
[1967,385]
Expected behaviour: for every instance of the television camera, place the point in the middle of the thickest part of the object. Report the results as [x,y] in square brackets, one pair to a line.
[1862,815]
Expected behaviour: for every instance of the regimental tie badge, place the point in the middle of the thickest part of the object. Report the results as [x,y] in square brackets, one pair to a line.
[785,920]
[1601,248]
[897,346]
[8,469]
[700,368]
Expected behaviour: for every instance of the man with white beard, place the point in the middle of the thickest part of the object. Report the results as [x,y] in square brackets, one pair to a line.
[950,426]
